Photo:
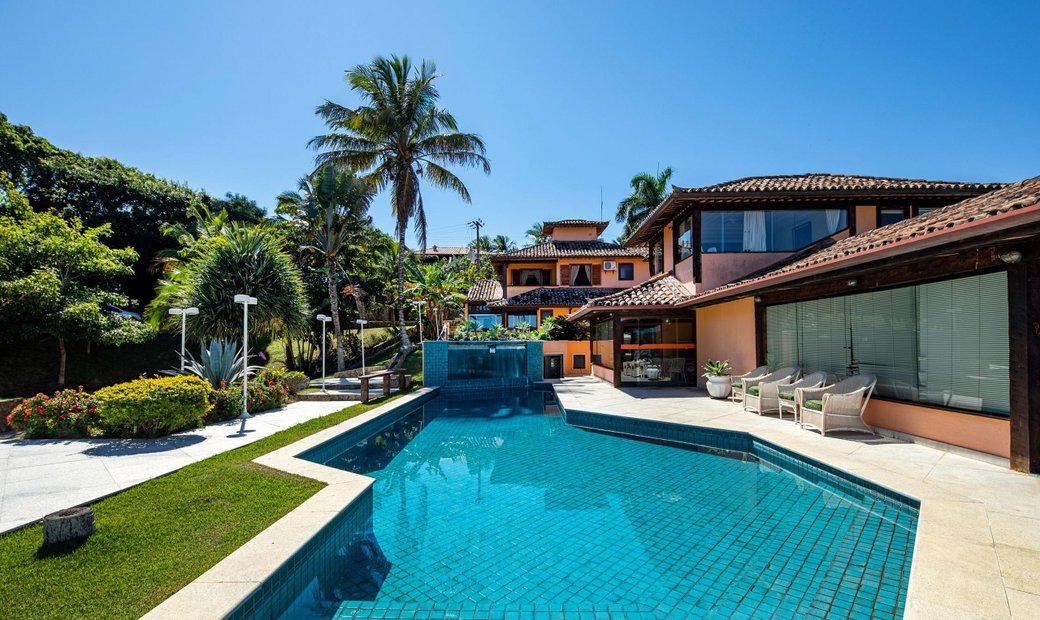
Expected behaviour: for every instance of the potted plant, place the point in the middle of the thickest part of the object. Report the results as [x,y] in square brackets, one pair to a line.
[717,373]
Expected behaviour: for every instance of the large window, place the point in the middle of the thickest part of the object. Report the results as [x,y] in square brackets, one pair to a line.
[768,231]
[658,350]
[626,271]
[532,277]
[581,275]
[944,343]
[603,343]
[486,321]
[514,320]
[684,238]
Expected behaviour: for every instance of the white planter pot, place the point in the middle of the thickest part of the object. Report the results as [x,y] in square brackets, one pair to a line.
[653,373]
[719,387]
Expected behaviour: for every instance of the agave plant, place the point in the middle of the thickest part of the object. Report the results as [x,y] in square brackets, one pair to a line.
[219,364]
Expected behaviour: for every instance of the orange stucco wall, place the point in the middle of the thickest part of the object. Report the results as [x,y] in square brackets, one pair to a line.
[568,349]
[608,279]
[575,233]
[727,332]
[603,373]
[989,435]
[722,268]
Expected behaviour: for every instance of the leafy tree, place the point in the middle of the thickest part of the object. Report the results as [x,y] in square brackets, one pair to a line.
[56,279]
[502,243]
[100,190]
[329,207]
[647,192]
[397,136]
[536,233]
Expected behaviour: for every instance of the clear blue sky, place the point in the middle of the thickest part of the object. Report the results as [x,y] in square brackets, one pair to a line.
[220,95]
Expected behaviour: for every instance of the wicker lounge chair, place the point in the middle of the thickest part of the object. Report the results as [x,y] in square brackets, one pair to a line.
[785,397]
[838,407]
[737,392]
[761,393]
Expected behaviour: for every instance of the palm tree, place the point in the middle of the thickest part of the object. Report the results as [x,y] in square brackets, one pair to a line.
[536,232]
[442,289]
[502,243]
[330,206]
[395,137]
[647,192]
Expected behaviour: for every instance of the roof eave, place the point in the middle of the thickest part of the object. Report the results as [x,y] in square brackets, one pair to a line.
[1028,215]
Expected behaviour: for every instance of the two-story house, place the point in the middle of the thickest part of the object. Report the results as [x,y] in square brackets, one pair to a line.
[932,287]
[554,279]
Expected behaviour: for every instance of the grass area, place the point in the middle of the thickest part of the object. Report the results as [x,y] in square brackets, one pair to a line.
[413,366]
[157,537]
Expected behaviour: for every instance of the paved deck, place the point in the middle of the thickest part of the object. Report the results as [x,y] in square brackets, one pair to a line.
[40,476]
[978,540]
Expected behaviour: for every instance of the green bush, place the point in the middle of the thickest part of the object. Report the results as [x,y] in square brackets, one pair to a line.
[69,413]
[265,393]
[294,381]
[153,407]
[225,403]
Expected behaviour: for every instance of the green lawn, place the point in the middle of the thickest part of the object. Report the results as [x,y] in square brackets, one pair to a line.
[276,350]
[414,367]
[157,537]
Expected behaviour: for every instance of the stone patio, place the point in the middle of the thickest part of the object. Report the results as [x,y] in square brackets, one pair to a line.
[40,476]
[977,553]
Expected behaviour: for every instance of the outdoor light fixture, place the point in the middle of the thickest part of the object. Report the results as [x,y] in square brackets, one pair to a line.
[362,323]
[853,283]
[491,349]
[184,313]
[1011,257]
[420,304]
[324,321]
[246,301]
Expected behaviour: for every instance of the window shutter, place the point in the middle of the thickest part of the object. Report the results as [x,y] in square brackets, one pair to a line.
[547,277]
[516,277]
[565,275]
[597,272]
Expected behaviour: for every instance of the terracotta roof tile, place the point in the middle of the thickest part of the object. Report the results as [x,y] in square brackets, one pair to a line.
[573,249]
[556,296]
[484,291]
[947,219]
[813,182]
[661,290]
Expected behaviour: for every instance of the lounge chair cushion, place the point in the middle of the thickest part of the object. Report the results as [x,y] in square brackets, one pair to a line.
[737,382]
[786,395]
[816,405]
[753,390]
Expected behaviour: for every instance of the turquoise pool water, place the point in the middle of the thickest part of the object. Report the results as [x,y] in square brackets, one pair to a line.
[498,508]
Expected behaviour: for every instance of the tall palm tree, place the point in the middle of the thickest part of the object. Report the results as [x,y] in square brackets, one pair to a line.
[536,232]
[442,289]
[648,191]
[395,137]
[330,206]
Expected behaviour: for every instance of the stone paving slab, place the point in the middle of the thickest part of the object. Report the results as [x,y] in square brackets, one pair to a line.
[40,476]
[977,553]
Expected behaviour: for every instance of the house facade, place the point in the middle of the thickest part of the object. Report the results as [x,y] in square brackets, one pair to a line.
[555,279]
[931,286]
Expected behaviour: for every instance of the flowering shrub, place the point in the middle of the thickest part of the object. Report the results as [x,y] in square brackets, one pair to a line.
[153,407]
[294,381]
[225,403]
[68,413]
[265,392]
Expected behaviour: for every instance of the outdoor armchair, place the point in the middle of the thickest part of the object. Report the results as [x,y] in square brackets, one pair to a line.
[786,396]
[838,407]
[761,394]
[737,390]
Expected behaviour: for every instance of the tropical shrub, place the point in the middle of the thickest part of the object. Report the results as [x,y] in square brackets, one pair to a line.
[225,403]
[559,328]
[266,394]
[294,381]
[152,407]
[68,413]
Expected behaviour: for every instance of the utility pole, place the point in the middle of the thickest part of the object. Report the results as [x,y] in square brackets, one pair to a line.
[477,224]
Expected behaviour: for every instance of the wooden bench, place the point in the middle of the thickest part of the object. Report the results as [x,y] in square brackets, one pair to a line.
[387,375]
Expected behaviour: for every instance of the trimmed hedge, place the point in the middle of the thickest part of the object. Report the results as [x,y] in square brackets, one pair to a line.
[153,407]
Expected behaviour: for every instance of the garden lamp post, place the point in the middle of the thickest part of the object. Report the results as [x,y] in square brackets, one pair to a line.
[324,321]
[246,301]
[184,313]
[362,323]
[420,304]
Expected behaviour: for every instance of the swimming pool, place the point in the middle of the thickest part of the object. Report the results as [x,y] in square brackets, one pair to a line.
[499,507]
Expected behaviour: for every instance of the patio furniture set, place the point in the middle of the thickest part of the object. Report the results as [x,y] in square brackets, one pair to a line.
[816,401]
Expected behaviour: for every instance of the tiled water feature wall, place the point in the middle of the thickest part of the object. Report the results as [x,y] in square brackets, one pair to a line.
[481,365]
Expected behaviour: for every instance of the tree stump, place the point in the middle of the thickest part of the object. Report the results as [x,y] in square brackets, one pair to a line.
[65,526]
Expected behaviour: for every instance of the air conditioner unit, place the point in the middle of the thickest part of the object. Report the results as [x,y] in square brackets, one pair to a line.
[609,265]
